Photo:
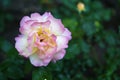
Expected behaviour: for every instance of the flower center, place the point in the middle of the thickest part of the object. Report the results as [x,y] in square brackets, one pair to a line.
[41,40]
[44,40]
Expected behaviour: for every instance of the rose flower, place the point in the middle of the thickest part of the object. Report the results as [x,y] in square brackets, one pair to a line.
[43,39]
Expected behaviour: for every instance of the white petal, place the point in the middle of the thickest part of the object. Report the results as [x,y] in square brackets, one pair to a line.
[62,42]
[36,61]
[21,43]
[45,16]
[35,16]
[56,26]
[26,53]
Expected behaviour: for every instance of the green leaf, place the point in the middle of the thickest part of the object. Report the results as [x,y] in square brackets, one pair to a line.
[84,46]
[14,72]
[41,74]
[89,28]
[27,67]
[110,38]
[72,51]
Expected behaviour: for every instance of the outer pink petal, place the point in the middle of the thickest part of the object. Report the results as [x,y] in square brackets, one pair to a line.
[26,27]
[35,16]
[40,18]
[47,60]
[40,24]
[67,33]
[56,25]
[36,61]
[62,42]
[59,55]
[45,16]
[24,19]
[21,43]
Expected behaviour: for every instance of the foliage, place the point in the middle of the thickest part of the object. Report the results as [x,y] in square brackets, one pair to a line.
[93,52]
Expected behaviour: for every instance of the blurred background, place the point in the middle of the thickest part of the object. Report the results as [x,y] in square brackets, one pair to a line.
[93,52]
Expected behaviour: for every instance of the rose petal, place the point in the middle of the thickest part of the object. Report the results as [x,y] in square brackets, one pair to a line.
[24,19]
[26,53]
[62,42]
[56,25]
[36,61]
[46,60]
[59,55]
[45,16]
[21,43]
[35,16]
[40,24]
[48,53]
[67,34]
[26,27]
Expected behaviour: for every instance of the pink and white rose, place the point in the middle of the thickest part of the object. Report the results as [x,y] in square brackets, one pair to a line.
[43,38]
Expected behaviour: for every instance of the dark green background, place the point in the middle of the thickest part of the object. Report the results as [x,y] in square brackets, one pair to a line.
[93,53]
